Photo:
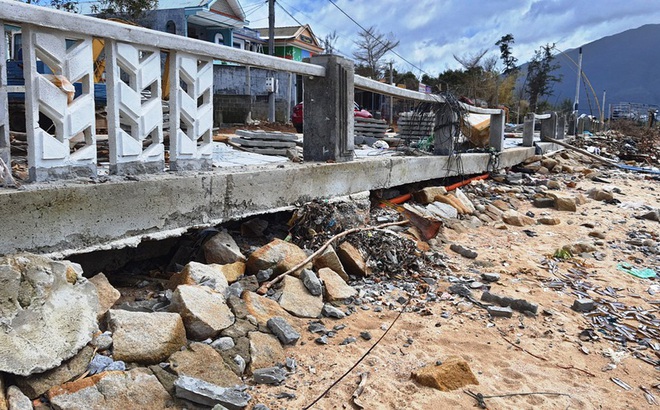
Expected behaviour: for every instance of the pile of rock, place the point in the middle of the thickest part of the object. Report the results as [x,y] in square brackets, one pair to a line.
[204,340]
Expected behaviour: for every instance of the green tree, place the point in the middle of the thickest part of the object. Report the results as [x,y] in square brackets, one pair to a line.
[371,47]
[540,77]
[131,10]
[65,5]
[506,54]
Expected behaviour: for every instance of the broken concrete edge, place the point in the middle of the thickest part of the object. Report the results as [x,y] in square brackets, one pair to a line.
[200,200]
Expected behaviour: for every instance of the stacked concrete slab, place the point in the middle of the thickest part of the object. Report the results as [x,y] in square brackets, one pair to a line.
[415,126]
[267,143]
[370,127]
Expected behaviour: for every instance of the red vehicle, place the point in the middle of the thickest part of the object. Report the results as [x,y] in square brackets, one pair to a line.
[297,116]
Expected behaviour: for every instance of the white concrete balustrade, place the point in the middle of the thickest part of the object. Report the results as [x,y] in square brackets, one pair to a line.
[134,78]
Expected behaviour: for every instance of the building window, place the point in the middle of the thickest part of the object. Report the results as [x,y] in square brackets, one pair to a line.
[219,38]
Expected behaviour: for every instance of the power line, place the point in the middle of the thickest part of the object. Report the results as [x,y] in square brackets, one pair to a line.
[378,40]
[299,23]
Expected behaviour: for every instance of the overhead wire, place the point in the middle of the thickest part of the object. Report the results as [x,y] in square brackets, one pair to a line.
[377,39]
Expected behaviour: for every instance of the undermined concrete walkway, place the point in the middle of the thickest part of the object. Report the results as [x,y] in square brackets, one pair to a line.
[65,218]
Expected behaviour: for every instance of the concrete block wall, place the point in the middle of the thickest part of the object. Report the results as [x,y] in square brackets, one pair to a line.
[232,85]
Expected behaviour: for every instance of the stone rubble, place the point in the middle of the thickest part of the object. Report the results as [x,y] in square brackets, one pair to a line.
[204,338]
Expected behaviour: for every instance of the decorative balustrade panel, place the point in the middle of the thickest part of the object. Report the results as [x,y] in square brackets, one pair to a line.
[4,108]
[135,113]
[60,124]
[191,112]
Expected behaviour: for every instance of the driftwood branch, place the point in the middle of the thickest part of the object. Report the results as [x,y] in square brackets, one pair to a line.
[267,285]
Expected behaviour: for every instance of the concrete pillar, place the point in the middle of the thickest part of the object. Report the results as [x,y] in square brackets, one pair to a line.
[497,131]
[443,131]
[561,127]
[4,109]
[328,111]
[549,127]
[571,125]
[528,130]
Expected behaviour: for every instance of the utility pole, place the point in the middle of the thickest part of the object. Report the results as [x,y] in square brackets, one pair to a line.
[271,51]
[577,90]
[602,116]
[391,98]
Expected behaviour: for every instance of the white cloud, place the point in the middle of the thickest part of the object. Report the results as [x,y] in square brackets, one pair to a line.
[432,31]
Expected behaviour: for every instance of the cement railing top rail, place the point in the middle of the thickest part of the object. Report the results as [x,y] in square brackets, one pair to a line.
[12,11]
[368,84]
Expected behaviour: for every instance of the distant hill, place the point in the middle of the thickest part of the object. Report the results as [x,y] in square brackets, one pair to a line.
[627,65]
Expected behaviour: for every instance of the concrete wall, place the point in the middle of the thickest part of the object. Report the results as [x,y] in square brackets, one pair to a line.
[68,218]
[239,90]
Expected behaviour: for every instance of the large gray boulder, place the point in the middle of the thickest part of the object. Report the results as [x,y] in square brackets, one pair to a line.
[47,313]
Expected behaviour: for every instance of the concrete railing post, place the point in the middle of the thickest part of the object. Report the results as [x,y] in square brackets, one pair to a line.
[561,127]
[571,124]
[4,107]
[549,127]
[443,134]
[328,111]
[528,130]
[69,55]
[191,112]
[497,131]
[131,120]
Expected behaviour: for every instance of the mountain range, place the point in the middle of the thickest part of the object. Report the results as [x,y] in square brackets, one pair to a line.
[626,65]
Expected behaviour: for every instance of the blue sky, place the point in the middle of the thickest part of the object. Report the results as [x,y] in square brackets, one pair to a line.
[432,31]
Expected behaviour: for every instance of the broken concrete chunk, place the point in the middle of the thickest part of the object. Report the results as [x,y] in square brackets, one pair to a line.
[102,363]
[283,330]
[549,221]
[335,287]
[222,249]
[465,201]
[278,255]
[333,312]
[311,282]
[223,343]
[463,251]
[600,195]
[490,277]
[48,312]
[204,312]
[17,400]
[544,202]
[352,260]
[269,375]
[195,273]
[297,300]
[329,259]
[263,308]
[203,362]
[231,271]
[499,311]
[515,218]
[565,204]
[37,384]
[583,305]
[452,374]
[107,294]
[265,351]
[520,305]
[428,194]
[442,210]
[135,389]
[209,394]
[145,337]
